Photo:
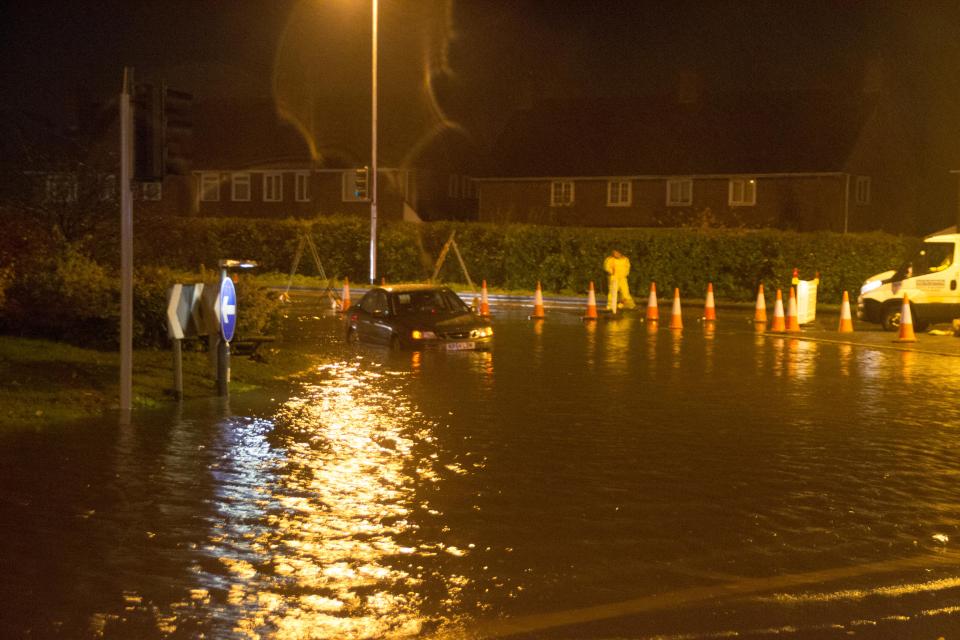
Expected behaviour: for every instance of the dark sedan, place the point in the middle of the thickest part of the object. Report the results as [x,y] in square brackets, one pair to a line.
[417,317]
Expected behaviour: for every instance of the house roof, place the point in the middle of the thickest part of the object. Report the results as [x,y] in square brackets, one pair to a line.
[244,135]
[775,132]
[252,134]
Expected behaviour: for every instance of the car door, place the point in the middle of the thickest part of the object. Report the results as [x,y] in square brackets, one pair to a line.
[366,329]
[378,327]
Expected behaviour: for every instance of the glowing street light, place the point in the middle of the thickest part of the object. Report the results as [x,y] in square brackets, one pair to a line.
[372,178]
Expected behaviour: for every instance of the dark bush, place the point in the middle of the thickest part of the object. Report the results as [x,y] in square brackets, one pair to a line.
[564,259]
[517,256]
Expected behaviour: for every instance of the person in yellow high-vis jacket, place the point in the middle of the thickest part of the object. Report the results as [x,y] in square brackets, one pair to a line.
[617,267]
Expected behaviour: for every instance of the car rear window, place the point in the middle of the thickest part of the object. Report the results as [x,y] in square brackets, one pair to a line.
[428,301]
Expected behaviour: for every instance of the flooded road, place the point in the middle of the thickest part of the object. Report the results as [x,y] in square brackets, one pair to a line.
[578,481]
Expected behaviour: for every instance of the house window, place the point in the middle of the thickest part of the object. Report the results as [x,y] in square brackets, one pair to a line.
[152,191]
[272,187]
[61,187]
[356,186]
[210,187]
[240,187]
[743,192]
[619,193]
[680,192]
[561,193]
[468,188]
[862,190]
[302,187]
[108,188]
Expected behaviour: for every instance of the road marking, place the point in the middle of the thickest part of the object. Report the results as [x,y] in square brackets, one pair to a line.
[684,597]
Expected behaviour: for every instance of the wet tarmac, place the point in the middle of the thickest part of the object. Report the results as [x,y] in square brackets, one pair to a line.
[580,480]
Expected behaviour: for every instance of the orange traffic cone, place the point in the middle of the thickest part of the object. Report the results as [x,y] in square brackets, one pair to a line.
[484,302]
[653,313]
[537,305]
[591,313]
[906,323]
[846,319]
[760,313]
[345,298]
[793,319]
[709,310]
[676,319]
[779,324]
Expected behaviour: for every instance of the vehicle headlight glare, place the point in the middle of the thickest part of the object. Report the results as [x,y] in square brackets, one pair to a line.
[870,286]
[417,334]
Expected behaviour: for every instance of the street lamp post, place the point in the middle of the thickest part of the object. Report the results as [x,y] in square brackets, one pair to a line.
[373,153]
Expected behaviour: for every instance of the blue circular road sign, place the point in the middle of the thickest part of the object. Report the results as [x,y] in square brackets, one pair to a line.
[228,309]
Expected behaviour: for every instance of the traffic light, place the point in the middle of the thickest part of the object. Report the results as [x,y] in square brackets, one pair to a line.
[163,132]
[147,133]
[361,189]
[178,131]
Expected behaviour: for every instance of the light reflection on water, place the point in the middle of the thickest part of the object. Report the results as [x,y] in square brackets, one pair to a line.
[717,484]
[337,500]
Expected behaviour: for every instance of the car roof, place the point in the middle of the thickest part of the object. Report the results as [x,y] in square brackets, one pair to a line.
[406,288]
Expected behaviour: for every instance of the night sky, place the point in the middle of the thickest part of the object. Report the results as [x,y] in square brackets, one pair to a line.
[475,63]
[508,52]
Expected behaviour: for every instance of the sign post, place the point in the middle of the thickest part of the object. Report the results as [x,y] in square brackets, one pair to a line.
[126,247]
[183,321]
[227,302]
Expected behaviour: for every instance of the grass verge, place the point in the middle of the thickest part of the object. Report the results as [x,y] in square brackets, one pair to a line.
[44,382]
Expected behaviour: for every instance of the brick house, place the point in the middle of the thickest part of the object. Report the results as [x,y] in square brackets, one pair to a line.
[248,162]
[805,161]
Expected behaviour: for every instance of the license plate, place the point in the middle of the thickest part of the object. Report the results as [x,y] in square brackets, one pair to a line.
[461,346]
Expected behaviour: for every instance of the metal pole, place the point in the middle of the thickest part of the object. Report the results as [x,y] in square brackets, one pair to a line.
[958,202]
[126,244]
[223,368]
[223,348]
[373,153]
[177,370]
[846,205]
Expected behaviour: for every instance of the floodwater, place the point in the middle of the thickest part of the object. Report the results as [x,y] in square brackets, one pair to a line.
[577,481]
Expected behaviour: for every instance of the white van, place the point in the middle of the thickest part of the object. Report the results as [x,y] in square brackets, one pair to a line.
[930,279]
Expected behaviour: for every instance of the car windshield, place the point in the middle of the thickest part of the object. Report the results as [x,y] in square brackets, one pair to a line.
[428,301]
[933,257]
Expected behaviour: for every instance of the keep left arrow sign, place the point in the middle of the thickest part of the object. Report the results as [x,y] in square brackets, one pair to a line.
[228,309]
[174,329]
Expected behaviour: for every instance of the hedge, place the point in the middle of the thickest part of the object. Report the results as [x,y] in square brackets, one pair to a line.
[564,259]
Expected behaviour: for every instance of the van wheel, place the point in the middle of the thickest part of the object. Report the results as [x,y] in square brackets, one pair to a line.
[395,343]
[891,317]
[352,337]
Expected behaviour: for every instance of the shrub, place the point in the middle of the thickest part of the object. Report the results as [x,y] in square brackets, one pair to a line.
[516,256]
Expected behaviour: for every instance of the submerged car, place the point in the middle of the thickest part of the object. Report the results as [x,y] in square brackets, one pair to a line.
[417,317]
